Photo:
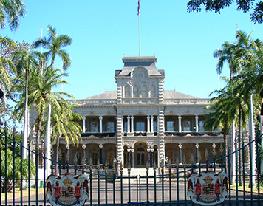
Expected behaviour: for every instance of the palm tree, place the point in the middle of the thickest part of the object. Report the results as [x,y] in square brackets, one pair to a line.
[54,45]
[241,57]
[10,12]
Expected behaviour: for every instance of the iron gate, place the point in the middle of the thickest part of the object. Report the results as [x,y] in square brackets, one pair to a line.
[23,184]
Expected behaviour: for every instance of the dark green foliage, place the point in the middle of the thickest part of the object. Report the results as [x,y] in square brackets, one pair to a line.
[256,15]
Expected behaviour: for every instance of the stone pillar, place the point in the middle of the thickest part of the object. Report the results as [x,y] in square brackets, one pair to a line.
[180,123]
[196,123]
[83,124]
[161,138]
[180,154]
[67,154]
[132,124]
[128,124]
[119,141]
[123,91]
[206,153]
[148,124]
[131,91]
[158,124]
[152,129]
[197,153]
[100,118]
[84,154]
[132,156]
[214,150]
[100,155]
[119,94]
[161,90]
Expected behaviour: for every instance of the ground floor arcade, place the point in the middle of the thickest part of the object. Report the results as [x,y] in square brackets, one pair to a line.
[140,154]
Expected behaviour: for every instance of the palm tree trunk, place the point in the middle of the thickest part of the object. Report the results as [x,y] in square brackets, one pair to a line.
[47,143]
[26,119]
[239,146]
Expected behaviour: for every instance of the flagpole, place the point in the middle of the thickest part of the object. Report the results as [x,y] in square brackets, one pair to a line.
[139,36]
[139,32]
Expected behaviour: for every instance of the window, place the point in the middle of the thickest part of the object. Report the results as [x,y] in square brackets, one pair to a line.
[92,125]
[109,127]
[140,126]
[155,126]
[186,125]
[170,125]
[125,126]
[201,125]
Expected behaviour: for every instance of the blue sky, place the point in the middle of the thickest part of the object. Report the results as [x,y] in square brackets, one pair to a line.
[104,31]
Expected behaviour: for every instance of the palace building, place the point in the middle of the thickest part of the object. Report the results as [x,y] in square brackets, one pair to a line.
[141,124]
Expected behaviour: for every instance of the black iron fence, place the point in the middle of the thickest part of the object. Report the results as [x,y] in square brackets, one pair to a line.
[23,182]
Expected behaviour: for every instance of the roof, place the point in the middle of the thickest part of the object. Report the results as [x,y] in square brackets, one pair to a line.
[168,94]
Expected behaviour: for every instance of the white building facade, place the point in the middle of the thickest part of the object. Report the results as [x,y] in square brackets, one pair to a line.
[142,125]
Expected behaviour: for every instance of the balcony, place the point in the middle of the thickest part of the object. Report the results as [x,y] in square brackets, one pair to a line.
[193,134]
[140,100]
[98,134]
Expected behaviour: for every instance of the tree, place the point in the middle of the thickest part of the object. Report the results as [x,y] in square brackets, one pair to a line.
[54,45]
[10,12]
[245,6]
[21,165]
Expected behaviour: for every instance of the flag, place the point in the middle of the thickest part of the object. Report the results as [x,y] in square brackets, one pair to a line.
[138,8]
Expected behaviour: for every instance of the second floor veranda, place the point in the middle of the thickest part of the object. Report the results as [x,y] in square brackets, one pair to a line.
[145,125]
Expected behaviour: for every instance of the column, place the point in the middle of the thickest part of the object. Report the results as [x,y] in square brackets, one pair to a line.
[129,158]
[197,153]
[132,124]
[123,91]
[148,124]
[119,152]
[100,155]
[161,138]
[180,123]
[84,154]
[67,154]
[83,124]
[196,123]
[158,124]
[128,124]
[152,129]
[101,118]
[180,154]
[132,154]
[131,91]
[214,150]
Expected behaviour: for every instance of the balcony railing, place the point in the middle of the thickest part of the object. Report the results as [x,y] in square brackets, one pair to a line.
[99,135]
[82,102]
[186,101]
[140,100]
[192,133]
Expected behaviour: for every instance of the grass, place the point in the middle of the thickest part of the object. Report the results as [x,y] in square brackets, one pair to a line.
[24,193]
[247,189]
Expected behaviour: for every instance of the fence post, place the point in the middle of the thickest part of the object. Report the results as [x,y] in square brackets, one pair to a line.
[121,184]
[90,177]
[14,168]
[98,170]
[147,184]
[162,170]
[29,170]
[129,176]
[106,185]
[170,184]
[155,196]
[177,182]
[21,177]
[44,181]
[5,133]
